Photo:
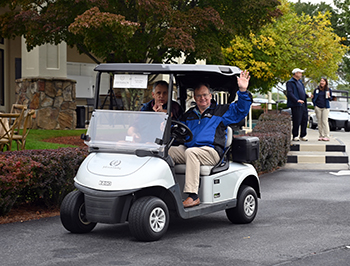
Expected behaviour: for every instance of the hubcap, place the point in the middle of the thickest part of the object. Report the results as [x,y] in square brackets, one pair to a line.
[249,205]
[157,219]
[82,215]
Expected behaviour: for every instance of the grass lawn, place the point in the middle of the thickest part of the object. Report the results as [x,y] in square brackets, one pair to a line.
[35,137]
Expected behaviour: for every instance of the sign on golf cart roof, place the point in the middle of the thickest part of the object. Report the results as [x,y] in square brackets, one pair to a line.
[130,81]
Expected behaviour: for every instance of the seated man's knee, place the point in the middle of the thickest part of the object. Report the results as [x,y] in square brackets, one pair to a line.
[191,151]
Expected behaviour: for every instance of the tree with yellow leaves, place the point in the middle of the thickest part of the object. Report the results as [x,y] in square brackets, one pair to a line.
[291,41]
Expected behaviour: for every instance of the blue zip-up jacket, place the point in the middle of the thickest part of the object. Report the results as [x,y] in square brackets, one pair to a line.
[295,92]
[317,93]
[209,128]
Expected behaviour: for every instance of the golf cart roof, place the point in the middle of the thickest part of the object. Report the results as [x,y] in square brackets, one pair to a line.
[167,68]
[219,77]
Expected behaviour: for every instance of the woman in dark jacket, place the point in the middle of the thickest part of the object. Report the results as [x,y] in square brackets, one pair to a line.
[321,97]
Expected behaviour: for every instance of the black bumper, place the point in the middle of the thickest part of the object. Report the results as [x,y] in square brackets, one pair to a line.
[110,207]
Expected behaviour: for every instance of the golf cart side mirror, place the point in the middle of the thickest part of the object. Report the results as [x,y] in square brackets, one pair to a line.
[159,141]
[85,137]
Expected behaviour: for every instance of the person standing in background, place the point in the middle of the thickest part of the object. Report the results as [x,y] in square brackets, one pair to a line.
[320,98]
[296,100]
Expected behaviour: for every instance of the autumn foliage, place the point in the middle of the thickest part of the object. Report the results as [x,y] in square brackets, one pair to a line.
[137,30]
[38,176]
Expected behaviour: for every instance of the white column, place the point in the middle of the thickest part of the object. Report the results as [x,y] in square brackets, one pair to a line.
[47,61]
[269,106]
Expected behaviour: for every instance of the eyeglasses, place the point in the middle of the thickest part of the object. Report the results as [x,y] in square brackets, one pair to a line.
[206,95]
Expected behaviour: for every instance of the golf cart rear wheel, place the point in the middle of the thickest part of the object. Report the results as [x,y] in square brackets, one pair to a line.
[73,215]
[247,206]
[332,125]
[148,219]
[312,124]
[347,126]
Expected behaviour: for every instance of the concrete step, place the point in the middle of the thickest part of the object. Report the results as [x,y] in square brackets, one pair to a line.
[318,152]
[317,166]
[317,147]
[317,157]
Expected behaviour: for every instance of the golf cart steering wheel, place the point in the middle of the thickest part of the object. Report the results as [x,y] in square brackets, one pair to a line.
[181,132]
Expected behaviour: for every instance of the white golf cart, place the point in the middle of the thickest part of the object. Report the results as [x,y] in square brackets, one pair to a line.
[131,178]
[338,117]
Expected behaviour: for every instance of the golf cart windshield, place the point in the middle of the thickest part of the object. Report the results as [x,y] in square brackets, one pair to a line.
[339,101]
[126,131]
[338,106]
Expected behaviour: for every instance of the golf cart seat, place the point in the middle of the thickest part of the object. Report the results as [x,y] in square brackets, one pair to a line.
[206,170]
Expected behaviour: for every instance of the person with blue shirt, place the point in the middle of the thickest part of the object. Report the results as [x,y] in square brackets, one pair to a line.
[208,122]
[320,98]
[296,100]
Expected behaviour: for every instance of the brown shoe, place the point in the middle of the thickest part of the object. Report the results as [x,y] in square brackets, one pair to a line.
[189,202]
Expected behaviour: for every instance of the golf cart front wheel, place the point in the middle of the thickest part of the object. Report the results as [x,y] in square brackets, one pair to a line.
[247,206]
[73,215]
[148,218]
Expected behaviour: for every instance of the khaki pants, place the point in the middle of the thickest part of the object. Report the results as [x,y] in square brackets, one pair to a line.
[193,158]
[322,121]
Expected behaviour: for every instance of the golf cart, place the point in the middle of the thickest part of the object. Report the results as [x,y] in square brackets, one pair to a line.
[131,178]
[338,116]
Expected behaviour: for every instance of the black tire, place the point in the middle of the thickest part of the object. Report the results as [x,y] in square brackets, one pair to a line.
[332,125]
[247,206]
[312,124]
[347,126]
[72,214]
[148,219]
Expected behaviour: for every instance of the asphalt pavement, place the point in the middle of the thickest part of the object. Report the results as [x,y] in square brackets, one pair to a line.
[303,220]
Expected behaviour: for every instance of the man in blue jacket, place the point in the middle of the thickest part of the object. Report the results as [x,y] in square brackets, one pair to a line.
[296,100]
[208,122]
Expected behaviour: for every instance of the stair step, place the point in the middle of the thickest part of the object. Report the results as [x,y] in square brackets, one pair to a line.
[317,157]
[318,147]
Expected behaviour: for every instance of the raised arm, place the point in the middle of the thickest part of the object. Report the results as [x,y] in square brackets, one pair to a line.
[243,81]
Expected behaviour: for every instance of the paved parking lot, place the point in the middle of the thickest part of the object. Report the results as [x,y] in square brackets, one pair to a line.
[303,219]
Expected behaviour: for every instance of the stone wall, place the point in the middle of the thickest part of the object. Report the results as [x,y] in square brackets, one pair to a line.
[52,99]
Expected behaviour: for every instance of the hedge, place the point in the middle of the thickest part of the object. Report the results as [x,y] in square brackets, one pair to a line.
[38,176]
[274,133]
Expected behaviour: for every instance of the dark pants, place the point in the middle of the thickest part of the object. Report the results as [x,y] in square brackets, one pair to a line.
[299,119]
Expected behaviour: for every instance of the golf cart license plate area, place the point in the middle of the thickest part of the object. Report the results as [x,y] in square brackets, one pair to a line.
[105,183]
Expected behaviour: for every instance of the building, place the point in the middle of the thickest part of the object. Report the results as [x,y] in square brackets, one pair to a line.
[53,80]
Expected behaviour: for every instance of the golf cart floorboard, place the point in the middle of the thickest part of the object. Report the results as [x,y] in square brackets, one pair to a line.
[206,208]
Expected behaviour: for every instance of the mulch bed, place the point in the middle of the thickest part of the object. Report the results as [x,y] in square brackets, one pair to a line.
[69,140]
[27,213]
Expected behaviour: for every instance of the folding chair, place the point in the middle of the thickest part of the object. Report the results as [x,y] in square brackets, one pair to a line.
[7,131]
[27,125]
[18,109]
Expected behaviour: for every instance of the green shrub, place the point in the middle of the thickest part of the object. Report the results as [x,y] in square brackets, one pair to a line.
[38,176]
[274,131]
[15,175]
[256,113]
